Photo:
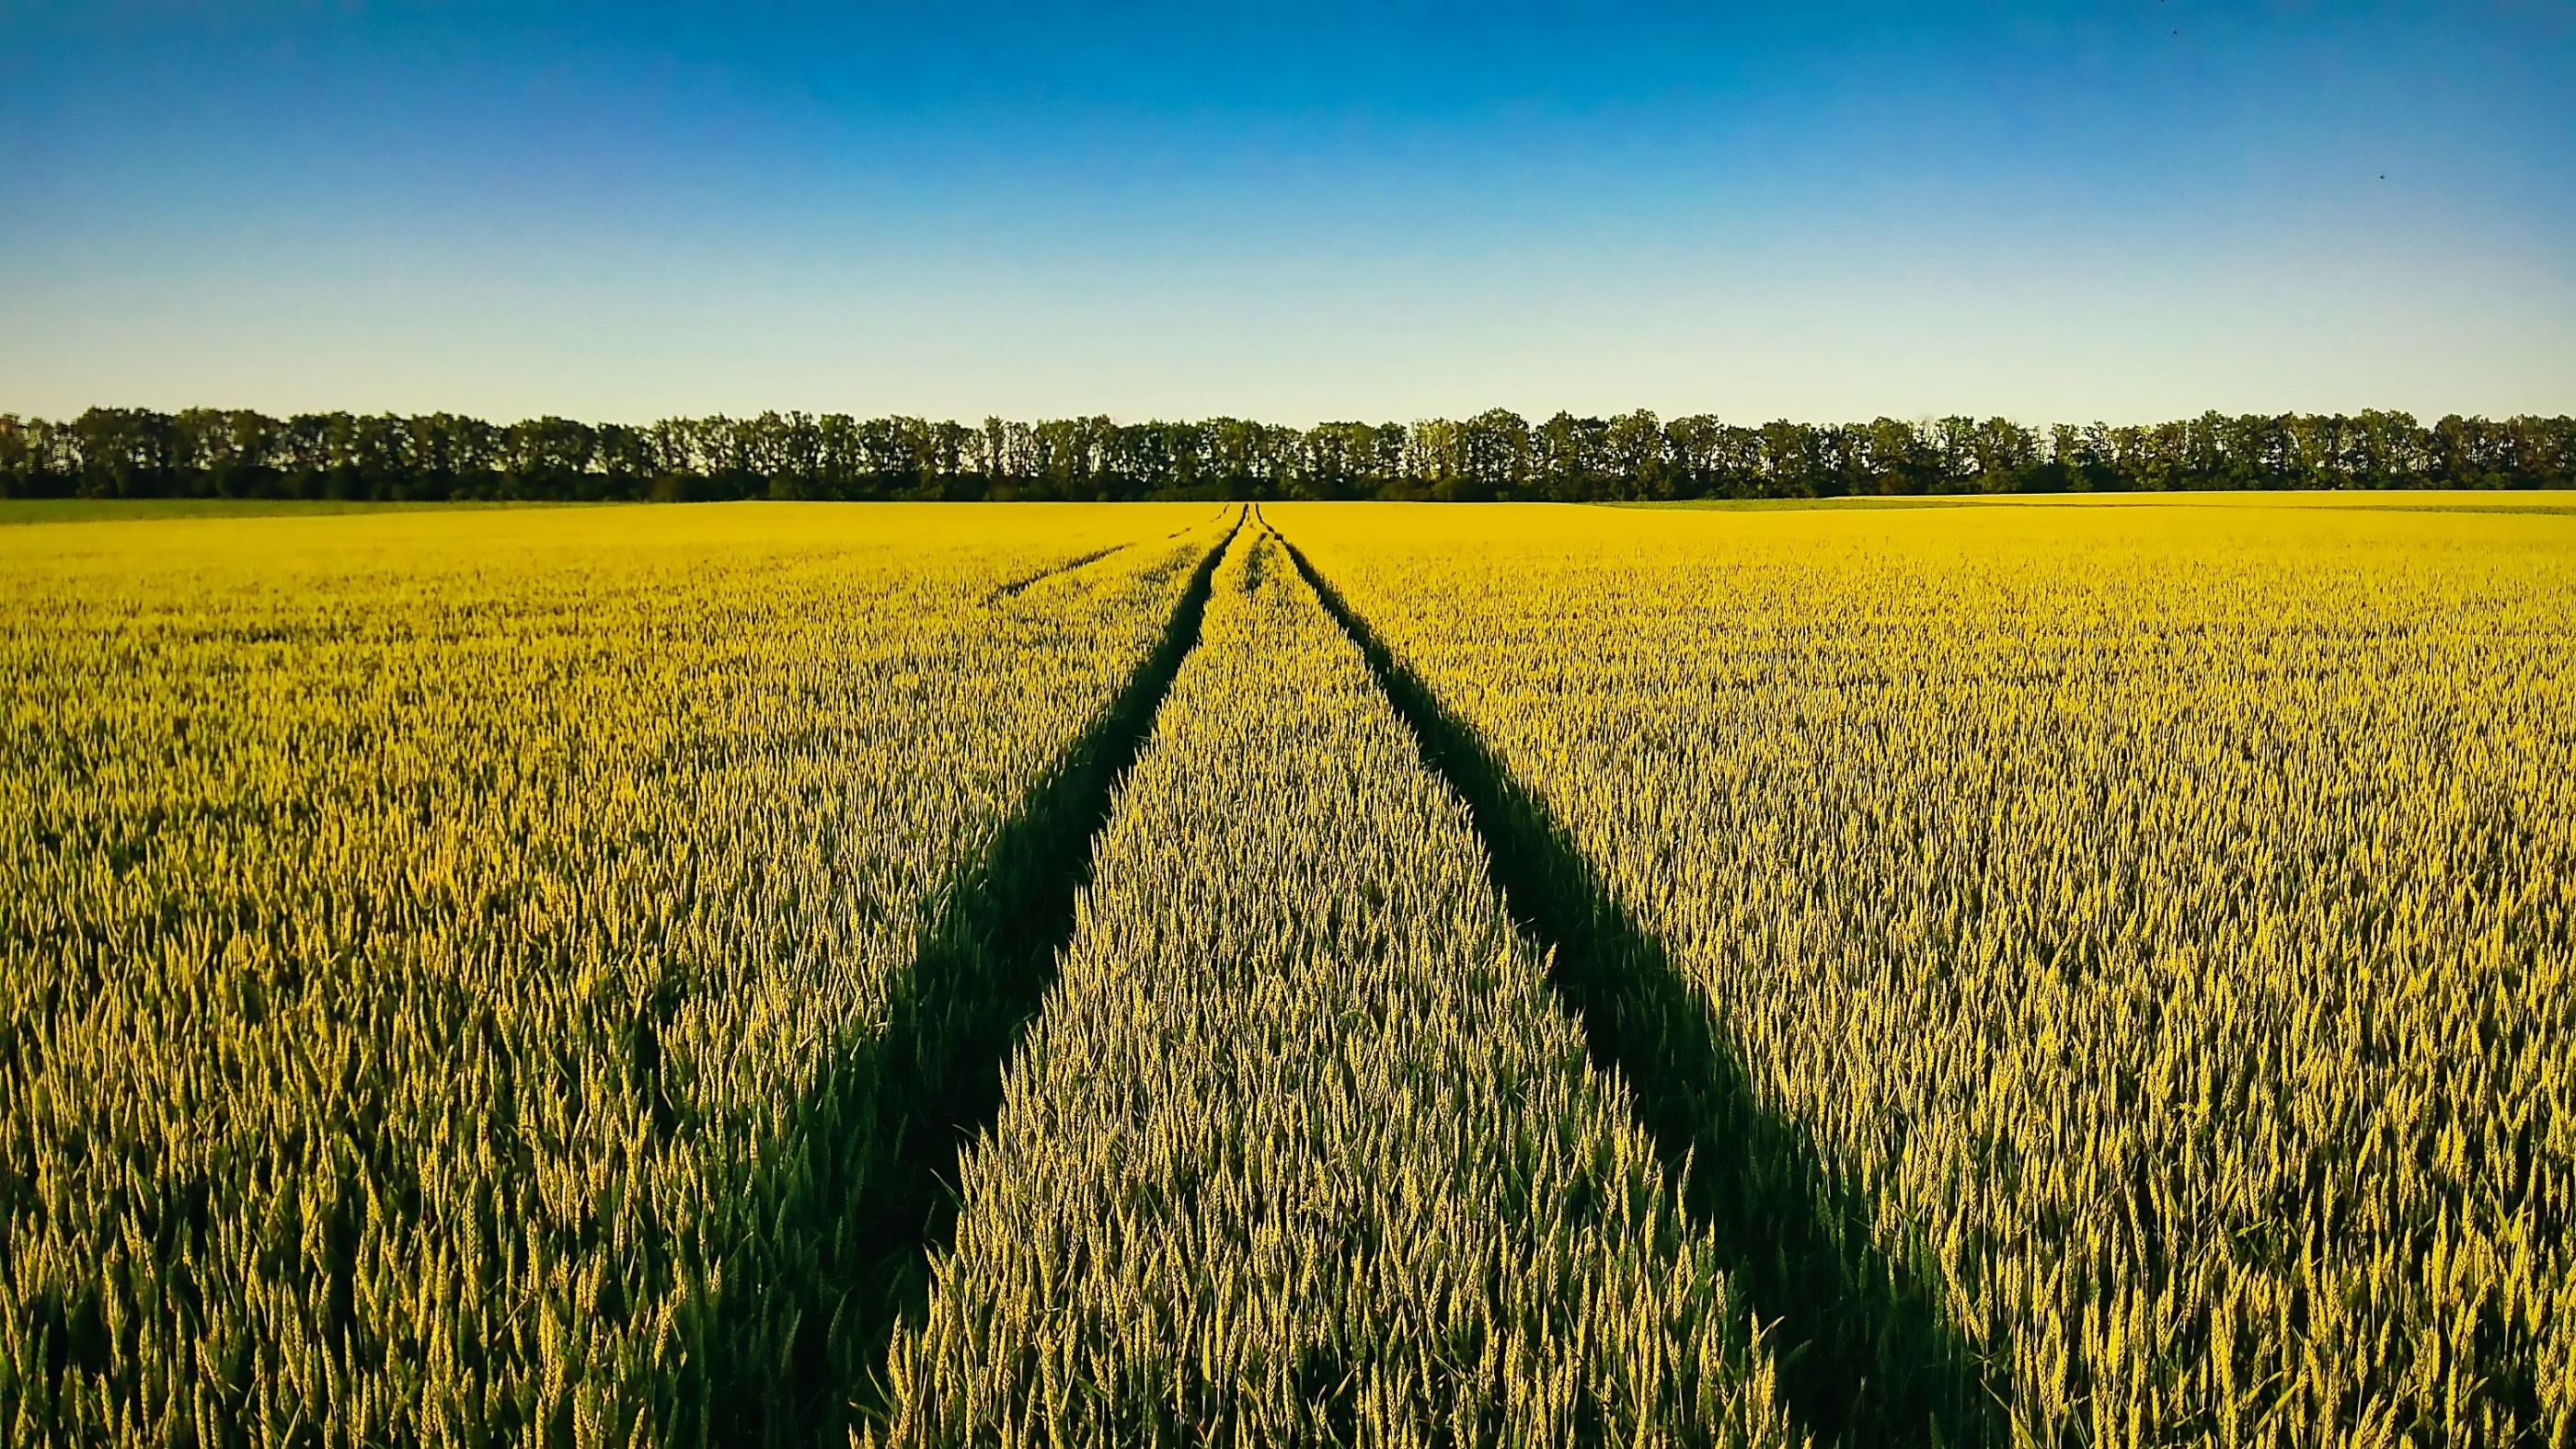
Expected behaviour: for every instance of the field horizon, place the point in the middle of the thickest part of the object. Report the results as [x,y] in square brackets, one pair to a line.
[2003,971]
[24,511]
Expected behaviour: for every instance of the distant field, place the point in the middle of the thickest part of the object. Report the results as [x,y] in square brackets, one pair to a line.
[1785,505]
[95,510]
[2436,501]
[1979,971]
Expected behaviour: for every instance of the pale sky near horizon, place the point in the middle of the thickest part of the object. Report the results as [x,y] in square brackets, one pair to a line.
[2124,211]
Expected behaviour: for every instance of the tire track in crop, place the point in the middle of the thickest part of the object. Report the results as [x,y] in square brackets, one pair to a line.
[1016,586]
[931,1081]
[1864,1354]
[1020,585]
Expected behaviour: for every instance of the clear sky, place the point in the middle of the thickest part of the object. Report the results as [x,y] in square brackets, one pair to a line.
[2127,211]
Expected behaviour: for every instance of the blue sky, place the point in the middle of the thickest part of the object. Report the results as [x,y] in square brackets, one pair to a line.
[2126,211]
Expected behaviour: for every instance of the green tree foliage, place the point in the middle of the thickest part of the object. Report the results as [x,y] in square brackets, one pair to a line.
[236,453]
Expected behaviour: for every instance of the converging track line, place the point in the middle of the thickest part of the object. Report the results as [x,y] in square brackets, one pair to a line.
[1864,1353]
[934,1076]
[1020,585]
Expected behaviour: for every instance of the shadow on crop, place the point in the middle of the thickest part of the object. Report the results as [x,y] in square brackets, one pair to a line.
[864,1193]
[1021,585]
[1865,1356]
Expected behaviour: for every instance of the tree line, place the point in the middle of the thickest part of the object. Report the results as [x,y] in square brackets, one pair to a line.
[236,453]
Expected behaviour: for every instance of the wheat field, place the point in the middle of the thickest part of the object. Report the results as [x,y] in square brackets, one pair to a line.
[2155,926]
[1374,974]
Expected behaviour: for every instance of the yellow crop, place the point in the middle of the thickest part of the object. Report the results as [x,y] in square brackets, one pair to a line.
[2051,973]
[2156,923]
[445,960]
[1302,1148]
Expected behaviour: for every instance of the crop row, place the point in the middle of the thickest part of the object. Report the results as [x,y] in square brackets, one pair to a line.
[2155,929]
[1302,1148]
[2040,975]
[449,965]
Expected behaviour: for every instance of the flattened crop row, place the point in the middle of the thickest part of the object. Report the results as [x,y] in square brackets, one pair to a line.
[2158,926]
[1301,1148]
[447,962]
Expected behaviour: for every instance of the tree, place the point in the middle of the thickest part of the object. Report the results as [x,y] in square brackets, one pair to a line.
[1493,457]
[548,457]
[1433,464]
[1639,463]
[1570,458]
[216,452]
